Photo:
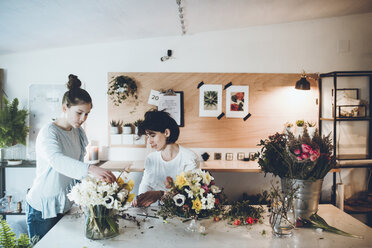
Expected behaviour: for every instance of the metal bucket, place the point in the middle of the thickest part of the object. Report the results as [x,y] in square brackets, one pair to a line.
[307,195]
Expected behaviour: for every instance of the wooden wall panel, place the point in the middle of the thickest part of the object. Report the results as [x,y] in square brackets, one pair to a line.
[272,102]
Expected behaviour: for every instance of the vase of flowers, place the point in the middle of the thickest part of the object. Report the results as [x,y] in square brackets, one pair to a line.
[192,195]
[302,161]
[102,202]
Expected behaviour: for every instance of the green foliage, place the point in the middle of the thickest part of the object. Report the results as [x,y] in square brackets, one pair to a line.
[242,210]
[128,125]
[114,123]
[13,128]
[300,123]
[120,88]
[311,123]
[315,221]
[8,238]
[137,122]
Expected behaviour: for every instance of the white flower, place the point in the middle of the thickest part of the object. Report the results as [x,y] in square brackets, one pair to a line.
[207,178]
[179,200]
[122,195]
[109,202]
[215,189]
[211,201]
[189,193]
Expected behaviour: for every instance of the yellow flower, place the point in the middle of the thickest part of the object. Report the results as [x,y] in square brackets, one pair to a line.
[207,178]
[129,186]
[131,197]
[197,205]
[181,181]
[120,181]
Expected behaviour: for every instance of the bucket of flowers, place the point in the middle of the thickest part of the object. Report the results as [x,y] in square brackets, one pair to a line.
[192,195]
[102,202]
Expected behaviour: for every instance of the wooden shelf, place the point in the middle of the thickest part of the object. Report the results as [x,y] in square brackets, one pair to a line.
[25,164]
[212,166]
[347,119]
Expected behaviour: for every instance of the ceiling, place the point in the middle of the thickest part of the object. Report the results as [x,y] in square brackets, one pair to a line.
[39,24]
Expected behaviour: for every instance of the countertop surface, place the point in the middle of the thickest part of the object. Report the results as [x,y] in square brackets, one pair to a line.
[69,232]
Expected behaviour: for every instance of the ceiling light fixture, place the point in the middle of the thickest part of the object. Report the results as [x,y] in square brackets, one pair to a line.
[180,15]
[302,84]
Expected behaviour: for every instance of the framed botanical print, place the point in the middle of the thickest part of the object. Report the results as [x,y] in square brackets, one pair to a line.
[210,100]
[237,101]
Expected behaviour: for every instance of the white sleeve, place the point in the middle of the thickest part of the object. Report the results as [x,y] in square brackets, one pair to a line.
[193,161]
[48,147]
[145,184]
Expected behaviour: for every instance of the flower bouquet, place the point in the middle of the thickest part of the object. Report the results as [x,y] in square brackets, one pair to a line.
[302,157]
[102,202]
[192,195]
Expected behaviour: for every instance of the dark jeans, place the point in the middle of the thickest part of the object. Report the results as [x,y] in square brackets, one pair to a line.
[37,225]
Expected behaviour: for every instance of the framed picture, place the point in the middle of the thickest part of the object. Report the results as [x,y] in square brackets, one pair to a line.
[229,156]
[217,156]
[240,156]
[210,100]
[173,104]
[237,101]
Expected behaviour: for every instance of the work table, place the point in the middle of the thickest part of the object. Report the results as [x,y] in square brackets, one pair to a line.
[69,232]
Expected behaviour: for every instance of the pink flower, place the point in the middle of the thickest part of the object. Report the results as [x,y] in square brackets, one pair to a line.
[306,148]
[313,158]
[297,151]
[299,158]
[205,187]
[305,155]
[237,222]
[315,155]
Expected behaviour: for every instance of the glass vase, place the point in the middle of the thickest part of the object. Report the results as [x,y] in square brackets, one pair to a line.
[282,219]
[100,223]
[195,226]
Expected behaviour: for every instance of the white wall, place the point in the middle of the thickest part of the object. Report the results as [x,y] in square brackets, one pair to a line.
[282,48]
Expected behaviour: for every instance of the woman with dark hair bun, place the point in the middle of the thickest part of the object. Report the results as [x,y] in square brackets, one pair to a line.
[169,159]
[60,149]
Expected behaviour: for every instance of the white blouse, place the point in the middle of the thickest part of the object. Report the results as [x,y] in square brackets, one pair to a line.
[157,170]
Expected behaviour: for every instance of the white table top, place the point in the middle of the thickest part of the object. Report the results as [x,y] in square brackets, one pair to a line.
[154,233]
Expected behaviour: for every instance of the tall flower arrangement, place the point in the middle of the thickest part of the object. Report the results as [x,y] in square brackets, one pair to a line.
[102,202]
[192,194]
[303,157]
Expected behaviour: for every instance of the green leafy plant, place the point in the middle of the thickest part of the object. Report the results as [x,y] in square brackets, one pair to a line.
[315,221]
[288,125]
[300,123]
[128,125]
[8,238]
[311,123]
[137,122]
[120,88]
[114,123]
[13,128]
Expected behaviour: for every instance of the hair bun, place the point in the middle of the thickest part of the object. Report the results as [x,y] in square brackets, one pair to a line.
[73,82]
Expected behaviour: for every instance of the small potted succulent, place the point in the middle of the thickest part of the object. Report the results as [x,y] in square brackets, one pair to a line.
[127,128]
[115,126]
[311,128]
[288,127]
[300,126]
[136,125]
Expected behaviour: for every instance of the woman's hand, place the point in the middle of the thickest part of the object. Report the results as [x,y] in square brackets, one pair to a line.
[147,198]
[103,174]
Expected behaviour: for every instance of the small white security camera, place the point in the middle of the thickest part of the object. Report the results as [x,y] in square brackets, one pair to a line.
[164,58]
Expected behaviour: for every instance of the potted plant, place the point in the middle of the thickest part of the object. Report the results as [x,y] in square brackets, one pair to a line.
[136,125]
[120,88]
[127,129]
[300,162]
[300,125]
[288,127]
[13,128]
[115,125]
[311,128]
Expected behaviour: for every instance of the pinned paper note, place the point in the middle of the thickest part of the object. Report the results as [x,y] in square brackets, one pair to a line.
[154,98]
